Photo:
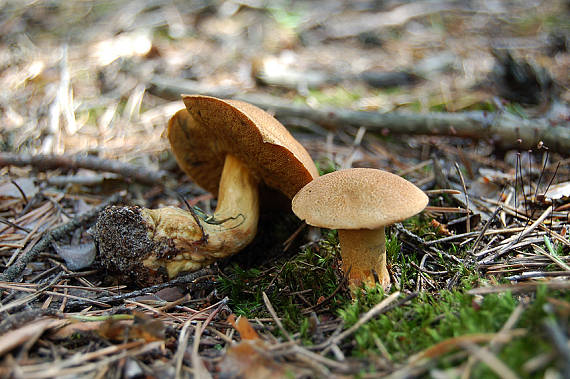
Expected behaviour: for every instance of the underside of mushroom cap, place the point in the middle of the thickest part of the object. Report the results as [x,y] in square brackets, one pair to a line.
[358,198]
[210,128]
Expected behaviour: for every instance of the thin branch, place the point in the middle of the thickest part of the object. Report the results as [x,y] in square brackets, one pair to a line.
[507,129]
[48,162]
[185,279]
[274,315]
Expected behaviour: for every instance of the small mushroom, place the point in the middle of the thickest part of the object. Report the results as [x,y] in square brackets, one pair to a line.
[230,148]
[360,202]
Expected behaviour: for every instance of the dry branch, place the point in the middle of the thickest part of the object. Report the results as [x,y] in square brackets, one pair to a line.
[520,287]
[48,162]
[502,128]
[184,279]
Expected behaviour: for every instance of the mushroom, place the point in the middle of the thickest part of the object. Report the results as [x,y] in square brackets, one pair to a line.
[228,147]
[360,203]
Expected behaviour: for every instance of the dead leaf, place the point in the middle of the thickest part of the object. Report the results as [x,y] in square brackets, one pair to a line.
[496,176]
[440,228]
[141,327]
[76,257]
[246,360]
[558,191]
[73,328]
[243,327]
[167,294]
[249,358]
[114,329]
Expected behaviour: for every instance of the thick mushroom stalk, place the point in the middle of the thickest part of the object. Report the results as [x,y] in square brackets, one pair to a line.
[363,252]
[151,245]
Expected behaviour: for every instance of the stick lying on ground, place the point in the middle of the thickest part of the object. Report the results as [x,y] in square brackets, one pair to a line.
[502,128]
[49,162]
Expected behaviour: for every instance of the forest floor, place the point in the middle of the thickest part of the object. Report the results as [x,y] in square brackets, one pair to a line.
[466,99]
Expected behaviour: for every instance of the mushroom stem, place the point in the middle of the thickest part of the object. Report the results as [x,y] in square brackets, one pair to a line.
[363,251]
[143,242]
[232,226]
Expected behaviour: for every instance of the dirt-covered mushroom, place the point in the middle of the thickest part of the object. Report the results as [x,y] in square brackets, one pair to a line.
[230,148]
[359,202]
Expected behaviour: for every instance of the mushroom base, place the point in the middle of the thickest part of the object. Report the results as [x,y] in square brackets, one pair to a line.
[363,251]
[154,245]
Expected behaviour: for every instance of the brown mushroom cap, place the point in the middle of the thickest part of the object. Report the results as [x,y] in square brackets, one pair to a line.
[358,198]
[210,128]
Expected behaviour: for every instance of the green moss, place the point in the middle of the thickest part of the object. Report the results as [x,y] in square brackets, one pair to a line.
[296,282]
[432,318]
[292,284]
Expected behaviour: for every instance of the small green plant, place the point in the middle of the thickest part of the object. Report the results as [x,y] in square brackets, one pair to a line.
[325,166]
[287,16]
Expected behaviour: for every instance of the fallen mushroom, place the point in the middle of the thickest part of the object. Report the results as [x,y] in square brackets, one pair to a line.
[230,148]
[359,202]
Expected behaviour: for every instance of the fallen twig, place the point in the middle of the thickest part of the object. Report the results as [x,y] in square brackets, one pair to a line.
[515,240]
[560,343]
[490,359]
[505,128]
[522,287]
[419,240]
[185,279]
[274,315]
[48,162]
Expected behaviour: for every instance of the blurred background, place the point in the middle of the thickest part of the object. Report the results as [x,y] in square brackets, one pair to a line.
[93,76]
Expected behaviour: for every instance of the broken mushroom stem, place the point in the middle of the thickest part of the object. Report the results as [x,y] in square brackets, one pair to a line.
[232,226]
[180,240]
[364,252]
[229,148]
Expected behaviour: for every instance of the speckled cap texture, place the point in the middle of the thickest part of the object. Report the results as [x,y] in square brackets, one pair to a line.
[358,198]
[209,128]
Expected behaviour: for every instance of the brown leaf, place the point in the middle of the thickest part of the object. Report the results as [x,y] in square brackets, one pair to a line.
[9,190]
[440,228]
[244,328]
[75,327]
[558,191]
[249,358]
[141,327]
